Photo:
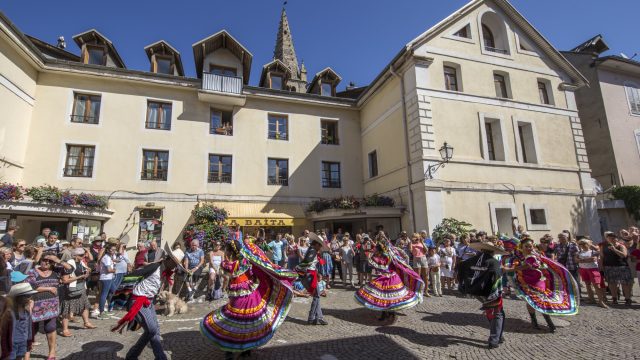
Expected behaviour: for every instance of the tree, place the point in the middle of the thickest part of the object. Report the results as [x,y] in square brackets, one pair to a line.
[450,226]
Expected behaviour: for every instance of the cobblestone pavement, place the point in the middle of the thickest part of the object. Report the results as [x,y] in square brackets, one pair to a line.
[448,327]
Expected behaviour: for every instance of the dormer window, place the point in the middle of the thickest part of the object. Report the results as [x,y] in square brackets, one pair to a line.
[95,55]
[164,65]
[326,89]
[494,34]
[275,82]
[222,70]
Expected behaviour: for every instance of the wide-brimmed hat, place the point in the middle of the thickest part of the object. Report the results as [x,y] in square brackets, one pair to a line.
[485,246]
[313,238]
[21,290]
[113,241]
[176,255]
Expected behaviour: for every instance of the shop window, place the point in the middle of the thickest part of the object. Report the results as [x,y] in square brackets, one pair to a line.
[158,115]
[79,162]
[86,108]
[278,127]
[220,168]
[373,164]
[278,172]
[150,226]
[329,130]
[85,229]
[330,174]
[221,122]
[155,165]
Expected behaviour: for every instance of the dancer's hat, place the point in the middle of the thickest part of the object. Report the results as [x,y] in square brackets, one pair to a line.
[483,246]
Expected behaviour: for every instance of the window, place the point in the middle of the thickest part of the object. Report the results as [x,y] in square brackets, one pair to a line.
[500,83]
[464,32]
[221,122]
[330,174]
[278,127]
[536,216]
[373,164]
[158,115]
[329,132]
[450,78]
[528,153]
[487,38]
[278,172]
[219,168]
[163,65]
[542,91]
[96,55]
[86,108]
[79,162]
[155,165]
[633,97]
[495,35]
[637,135]
[326,89]
[150,228]
[493,143]
[276,82]
[222,70]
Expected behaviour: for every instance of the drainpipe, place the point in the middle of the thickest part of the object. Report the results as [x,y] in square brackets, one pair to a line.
[406,148]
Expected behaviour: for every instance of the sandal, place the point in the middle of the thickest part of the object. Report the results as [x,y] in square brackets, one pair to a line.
[89,326]
[66,334]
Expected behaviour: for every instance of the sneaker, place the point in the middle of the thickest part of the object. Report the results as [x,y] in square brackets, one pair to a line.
[95,313]
[110,313]
[321,322]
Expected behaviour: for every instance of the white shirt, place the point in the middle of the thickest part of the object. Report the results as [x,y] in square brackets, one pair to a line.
[585,255]
[434,260]
[106,264]
[149,286]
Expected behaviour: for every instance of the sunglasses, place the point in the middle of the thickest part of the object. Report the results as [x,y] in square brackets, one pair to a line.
[21,245]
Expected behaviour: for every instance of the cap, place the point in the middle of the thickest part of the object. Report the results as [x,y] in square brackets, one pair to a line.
[17,277]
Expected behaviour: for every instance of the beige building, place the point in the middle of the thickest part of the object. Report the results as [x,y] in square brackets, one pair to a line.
[610,113]
[158,143]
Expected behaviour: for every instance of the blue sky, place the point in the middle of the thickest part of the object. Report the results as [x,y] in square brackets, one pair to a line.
[356,37]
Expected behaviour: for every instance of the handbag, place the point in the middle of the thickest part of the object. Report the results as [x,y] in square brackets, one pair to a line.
[78,290]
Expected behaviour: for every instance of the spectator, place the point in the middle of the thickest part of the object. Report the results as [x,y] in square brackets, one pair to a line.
[141,255]
[292,252]
[29,256]
[464,251]
[45,279]
[545,247]
[277,248]
[335,246]
[8,238]
[122,265]
[5,278]
[587,260]
[448,257]
[193,262]
[52,244]
[420,264]
[428,242]
[44,234]
[565,253]
[7,254]
[74,292]
[107,274]
[16,326]
[616,269]
[154,254]
[433,262]
[216,257]
[635,253]
[303,246]
[346,254]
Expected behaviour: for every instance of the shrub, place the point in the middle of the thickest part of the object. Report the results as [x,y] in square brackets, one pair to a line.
[450,226]
[631,197]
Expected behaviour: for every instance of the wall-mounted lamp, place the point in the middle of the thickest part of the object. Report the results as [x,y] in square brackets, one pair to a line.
[446,153]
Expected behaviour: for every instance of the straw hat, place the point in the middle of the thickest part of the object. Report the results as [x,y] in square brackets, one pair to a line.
[21,290]
[482,246]
[176,255]
[113,241]
[313,238]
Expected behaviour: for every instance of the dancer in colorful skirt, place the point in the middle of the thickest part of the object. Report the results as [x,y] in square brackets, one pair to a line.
[142,312]
[395,287]
[545,285]
[481,276]
[259,292]
[308,271]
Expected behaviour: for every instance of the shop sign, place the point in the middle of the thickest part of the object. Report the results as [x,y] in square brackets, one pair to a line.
[259,222]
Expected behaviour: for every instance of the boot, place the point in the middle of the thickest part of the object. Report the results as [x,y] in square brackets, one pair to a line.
[534,321]
[383,316]
[550,324]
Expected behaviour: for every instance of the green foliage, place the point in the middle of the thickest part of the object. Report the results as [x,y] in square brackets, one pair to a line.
[52,195]
[208,226]
[349,203]
[377,200]
[450,226]
[631,197]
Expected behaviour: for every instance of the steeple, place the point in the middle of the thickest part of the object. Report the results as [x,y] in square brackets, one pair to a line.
[284,50]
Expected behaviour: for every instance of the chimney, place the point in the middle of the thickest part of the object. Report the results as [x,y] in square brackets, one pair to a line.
[61,43]
[351,86]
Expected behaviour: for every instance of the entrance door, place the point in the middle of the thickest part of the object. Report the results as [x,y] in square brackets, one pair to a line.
[503,220]
[345,226]
[59,226]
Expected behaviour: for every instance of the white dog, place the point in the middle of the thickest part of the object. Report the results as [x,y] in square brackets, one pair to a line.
[173,304]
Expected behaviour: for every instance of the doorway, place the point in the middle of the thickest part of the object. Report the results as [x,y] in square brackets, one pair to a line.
[504,221]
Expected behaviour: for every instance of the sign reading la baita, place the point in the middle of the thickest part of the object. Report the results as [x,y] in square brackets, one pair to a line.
[259,222]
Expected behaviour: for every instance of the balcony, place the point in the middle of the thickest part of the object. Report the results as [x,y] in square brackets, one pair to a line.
[218,178]
[278,181]
[154,175]
[84,119]
[221,89]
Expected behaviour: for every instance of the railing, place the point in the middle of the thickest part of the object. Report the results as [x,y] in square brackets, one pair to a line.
[217,178]
[163,125]
[159,175]
[84,119]
[86,171]
[330,183]
[329,140]
[281,182]
[221,130]
[222,83]
[496,50]
[277,135]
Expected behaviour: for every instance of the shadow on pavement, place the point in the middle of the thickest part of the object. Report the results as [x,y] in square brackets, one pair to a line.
[439,340]
[359,315]
[96,349]
[512,325]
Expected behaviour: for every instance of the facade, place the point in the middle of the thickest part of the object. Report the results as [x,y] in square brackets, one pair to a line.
[158,143]
[610,114]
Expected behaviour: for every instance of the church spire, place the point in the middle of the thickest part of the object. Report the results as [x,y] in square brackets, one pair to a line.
[284,50]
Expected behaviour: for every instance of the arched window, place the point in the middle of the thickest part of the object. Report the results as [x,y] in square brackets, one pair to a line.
[487,37]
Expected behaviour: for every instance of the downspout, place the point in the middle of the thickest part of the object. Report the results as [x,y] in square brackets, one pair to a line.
[406,147]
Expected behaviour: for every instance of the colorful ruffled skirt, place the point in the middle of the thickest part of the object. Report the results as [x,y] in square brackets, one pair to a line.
[551,290]
[387,292]
[254,311]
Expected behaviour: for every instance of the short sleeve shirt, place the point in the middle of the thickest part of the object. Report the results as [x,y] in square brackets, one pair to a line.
[193,257]
[106,263]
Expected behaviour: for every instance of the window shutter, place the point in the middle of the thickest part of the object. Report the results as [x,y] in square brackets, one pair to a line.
[633,96]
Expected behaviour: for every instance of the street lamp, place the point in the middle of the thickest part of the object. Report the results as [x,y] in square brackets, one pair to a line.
[446,153]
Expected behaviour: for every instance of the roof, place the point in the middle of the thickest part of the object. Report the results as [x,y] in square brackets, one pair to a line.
[275,63]
[51,50]
[595,45]
[165,48]
[219,40]
[550,51]
[94,34]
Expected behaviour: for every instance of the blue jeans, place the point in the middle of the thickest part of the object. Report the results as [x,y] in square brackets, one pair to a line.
[151,335]
[117,280]
[104,293]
